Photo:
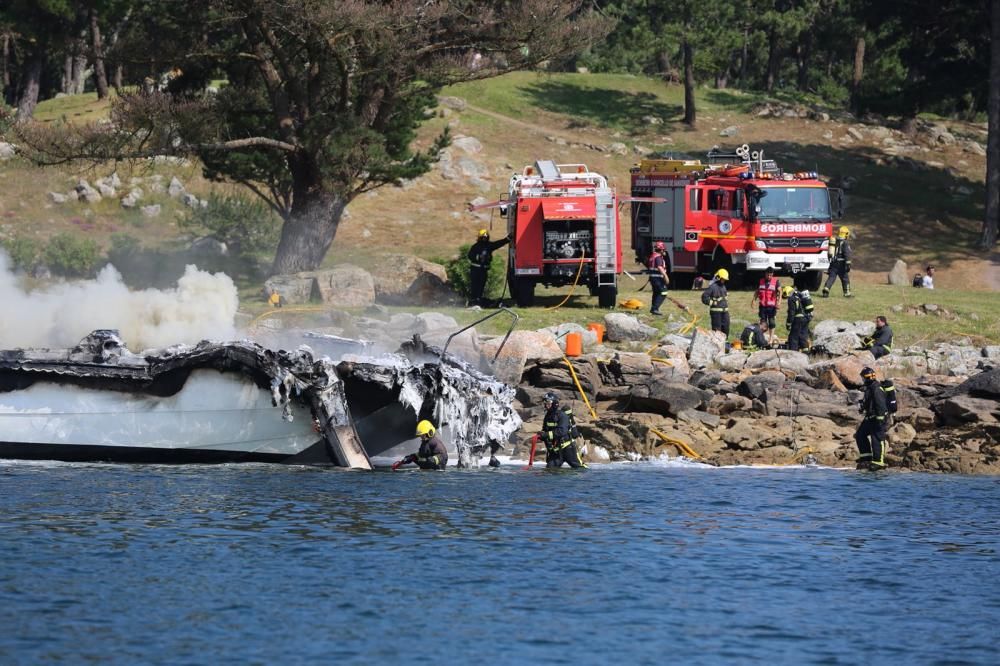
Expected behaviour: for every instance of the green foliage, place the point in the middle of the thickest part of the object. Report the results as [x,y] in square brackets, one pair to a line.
[71,256]
[247,226]
[22,251]
[457,269]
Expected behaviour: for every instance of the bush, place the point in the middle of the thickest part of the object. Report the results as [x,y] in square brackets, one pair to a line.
[247,226]
[71,256]
[458,274]
[23,252]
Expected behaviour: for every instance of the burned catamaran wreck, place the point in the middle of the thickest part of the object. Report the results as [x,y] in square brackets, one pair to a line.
[240,402]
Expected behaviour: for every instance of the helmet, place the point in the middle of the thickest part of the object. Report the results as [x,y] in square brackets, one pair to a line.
[425,428]
[659,246]
[550,397]
[867,373]
[722,274]
[844,232]
[787,290]
[483,233]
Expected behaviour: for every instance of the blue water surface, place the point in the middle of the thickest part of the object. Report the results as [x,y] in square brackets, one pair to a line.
[628,564]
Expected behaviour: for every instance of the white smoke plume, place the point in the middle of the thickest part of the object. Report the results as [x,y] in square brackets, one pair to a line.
[203,306]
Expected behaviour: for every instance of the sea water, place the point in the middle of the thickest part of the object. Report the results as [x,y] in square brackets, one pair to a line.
[626,564]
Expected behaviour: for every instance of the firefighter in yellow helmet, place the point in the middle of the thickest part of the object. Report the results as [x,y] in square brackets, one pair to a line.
[800,312]
[480,257]
[717,299]
[432,453]
[840,264]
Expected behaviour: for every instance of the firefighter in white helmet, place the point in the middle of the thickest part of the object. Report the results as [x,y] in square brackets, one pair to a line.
[480,258]
[840,264]
[717,299]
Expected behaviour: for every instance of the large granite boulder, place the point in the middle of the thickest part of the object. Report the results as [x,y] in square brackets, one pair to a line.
[778,359]
[705,347]
[837,343]
[984,385]
[899,275]
[403,279]
[344,286]
[521,348]
[620,327]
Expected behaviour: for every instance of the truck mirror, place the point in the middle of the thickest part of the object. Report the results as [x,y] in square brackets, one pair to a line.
[503,210]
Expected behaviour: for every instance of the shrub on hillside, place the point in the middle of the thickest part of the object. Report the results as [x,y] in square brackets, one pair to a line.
[247,226]
[23,252]
[458,274]
[71,256]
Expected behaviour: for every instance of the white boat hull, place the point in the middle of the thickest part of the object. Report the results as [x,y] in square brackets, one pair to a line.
[215,417]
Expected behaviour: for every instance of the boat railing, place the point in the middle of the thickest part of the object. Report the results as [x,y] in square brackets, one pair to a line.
[498,311]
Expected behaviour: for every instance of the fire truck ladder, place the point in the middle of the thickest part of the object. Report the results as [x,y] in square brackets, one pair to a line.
[605,257]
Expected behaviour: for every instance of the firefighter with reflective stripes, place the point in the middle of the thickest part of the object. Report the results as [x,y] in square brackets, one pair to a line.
[880,343]
[658,278]
[870,435]
[840,264]
[717,299]
[753,338]
[480,257]
[432,453]
[557,435]
[800,312]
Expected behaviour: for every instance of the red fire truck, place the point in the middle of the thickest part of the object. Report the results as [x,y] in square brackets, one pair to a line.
[563,222]
[737,211]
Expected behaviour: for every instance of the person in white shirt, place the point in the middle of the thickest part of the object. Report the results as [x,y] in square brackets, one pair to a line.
[929,278]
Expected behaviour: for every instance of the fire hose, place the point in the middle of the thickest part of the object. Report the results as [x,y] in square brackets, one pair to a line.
[576,281]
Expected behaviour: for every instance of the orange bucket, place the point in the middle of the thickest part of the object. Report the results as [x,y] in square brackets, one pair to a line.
[574,344]
[598,329]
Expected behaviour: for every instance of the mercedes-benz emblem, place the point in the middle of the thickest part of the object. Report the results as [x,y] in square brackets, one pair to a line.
[794,242]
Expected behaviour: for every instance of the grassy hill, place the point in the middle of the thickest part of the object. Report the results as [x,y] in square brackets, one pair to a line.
[925,206]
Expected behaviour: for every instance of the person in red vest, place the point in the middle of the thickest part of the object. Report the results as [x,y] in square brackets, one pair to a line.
[768,295]
[658,278]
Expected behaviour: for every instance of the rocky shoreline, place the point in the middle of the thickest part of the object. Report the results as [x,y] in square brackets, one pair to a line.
[643,395]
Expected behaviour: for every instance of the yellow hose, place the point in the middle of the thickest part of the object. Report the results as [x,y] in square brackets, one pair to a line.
[268,313]
[683,446]
[579,388]
[576,280]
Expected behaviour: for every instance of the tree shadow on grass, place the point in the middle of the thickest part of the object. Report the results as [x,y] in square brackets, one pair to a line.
[606,107]
[902,207]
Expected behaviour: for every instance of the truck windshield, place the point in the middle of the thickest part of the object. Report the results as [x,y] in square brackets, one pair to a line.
[795,203]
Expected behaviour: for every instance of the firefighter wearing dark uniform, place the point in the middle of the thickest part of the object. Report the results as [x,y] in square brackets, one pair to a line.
[800,309]
[880,343]
[840,264]
[432,453]
[753,337]
[717,299]
[658,278]
[870,435]
[480,258]
[556,434]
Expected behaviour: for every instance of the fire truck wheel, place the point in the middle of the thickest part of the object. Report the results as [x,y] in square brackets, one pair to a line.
[523,291]
[606,295]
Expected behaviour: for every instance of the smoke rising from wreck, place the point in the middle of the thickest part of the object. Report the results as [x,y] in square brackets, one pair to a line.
[202,306]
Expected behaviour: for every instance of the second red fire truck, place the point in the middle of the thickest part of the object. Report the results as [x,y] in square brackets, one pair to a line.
[736,211]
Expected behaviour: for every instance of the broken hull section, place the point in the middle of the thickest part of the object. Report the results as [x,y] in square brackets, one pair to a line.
[213,418]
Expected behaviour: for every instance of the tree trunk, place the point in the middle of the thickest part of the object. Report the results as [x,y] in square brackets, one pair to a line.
[67,75]
[859,72]
[690,113]
[100,73]
[79,73]
[4,63]
[118,76]
[804,53]
[307,234]
[991,220]
[31,81]
[773,62]
[745,57]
